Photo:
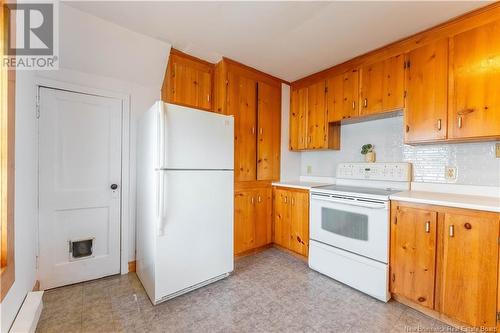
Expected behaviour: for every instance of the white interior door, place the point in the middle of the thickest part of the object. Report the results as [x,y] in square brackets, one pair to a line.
[79,165]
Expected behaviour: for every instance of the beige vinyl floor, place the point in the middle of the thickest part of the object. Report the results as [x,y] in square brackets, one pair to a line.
[271,291]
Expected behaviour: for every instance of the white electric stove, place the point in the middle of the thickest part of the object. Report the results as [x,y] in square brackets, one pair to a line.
[349,225]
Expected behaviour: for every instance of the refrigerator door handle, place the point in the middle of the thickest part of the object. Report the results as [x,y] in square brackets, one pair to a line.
[161,202]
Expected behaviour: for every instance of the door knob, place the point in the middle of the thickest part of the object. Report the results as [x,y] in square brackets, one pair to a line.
[114,186]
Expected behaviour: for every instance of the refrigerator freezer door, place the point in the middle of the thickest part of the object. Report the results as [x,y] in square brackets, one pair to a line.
[195,239]
[194,139]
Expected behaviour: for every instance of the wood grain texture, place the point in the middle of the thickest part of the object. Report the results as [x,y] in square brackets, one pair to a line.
[470,267]
[7,159]
[242,104]
[299,222]
[371,78]
[244,226]
[413,254]
[132,266]
[350,108]
[263,216]
[334,98]
[427,92]
[269,131]
[282,227]
[316,116]
[298,119]
[393,83]
[475,77]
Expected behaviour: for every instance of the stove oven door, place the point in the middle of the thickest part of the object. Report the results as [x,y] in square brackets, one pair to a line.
[356,225]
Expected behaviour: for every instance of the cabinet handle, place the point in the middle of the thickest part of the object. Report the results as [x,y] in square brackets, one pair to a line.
[309,139]
[252,200]
[439,124]
[365,102]
[259,199]
[452,230]
[427,226]
[208,97]
[354,105]
[261,130]
[286,199]
[253,130]
[293,201]
[459,121]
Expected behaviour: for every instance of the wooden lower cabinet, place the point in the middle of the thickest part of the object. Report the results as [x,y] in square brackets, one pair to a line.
[252,219]
[447,260]
[291,219]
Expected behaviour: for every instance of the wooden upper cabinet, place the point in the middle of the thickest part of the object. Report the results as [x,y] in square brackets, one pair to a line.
[426,111]
[413,254]
[242,103]
[334,98]
[382,86]
[475,99]
[269,131]
[470,267]
[350,88]
[188,81]
[316,116]
[393,83]
[298,119]
[370,88]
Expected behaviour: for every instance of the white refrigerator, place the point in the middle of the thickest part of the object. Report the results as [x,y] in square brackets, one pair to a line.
[185,174]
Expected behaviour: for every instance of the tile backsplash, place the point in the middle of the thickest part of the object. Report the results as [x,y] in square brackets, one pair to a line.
[475,162]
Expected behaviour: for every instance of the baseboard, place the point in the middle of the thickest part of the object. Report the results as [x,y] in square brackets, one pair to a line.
[27,318]
[131,266]
[295,254]
[253,251]
[36,287]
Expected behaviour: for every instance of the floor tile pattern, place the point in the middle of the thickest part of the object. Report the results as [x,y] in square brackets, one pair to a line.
[271,291]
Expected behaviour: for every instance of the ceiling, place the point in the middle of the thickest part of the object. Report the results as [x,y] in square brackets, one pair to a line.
[287,39]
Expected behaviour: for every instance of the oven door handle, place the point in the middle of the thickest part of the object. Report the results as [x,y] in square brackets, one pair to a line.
[353,202]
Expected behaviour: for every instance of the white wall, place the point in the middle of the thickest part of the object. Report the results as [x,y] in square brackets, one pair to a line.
[94,54]
[476,163]
[290,161]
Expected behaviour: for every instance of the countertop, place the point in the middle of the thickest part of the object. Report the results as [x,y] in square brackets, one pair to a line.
[305,185]
[491,204]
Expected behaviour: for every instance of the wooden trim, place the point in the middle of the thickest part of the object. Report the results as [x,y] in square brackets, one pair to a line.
[271,78]
[294,254]
[253,251]
[7,137]
[292,189]
[250,185]
[467,21]
[175,52]
[131,266]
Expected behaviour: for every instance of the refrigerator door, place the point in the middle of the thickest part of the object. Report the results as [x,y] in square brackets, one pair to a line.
[194,243]
[194,139]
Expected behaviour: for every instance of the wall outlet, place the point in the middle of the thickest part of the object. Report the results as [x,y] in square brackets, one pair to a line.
[309,169]
[497,150]
[450,174]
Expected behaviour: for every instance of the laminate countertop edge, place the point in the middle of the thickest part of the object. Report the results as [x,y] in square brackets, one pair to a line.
[484,203]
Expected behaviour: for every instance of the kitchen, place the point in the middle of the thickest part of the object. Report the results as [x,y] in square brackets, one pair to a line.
[357,190]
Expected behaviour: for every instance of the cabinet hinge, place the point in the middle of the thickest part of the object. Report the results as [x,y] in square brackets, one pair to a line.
[396,220]
[405,94]
[498,316]
[498,240]
[393,277]
[326,89]
[408,64]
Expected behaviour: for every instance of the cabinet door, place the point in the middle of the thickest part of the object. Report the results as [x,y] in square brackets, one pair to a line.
[316,116]
[190,82]
[413,254]
[242,103]
[282,230]
[269,129]
[427,93]
[470,267]
[393,83]
[244,226]
[334,98]
[299,222]
[263,217]
[370,95]
[475,109]
[350,91]
[298,119]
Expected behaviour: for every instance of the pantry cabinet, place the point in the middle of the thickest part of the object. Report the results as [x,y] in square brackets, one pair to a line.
[291,219]
[310,128]
[446,259]
[475,76]
[188,81]
[427,93]
[252,219]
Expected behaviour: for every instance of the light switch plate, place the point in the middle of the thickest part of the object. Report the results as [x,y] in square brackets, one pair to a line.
[450,174]
[309,169]
[497,150]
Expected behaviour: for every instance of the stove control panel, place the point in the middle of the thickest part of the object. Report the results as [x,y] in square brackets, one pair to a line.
[397,172]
